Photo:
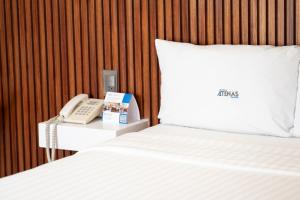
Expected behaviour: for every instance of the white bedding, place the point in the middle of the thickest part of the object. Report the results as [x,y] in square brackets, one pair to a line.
[169,162]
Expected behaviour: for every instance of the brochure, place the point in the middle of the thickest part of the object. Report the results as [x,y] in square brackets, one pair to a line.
[120,108]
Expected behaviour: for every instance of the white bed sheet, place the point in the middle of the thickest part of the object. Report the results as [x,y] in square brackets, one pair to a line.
[169,162]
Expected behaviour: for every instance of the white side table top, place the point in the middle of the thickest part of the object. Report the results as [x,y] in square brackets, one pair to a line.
[77,137]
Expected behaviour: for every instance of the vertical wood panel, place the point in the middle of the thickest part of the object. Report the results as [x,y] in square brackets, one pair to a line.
[20,144]
[92,49]
[219,21]
[31,84]
[202,21]
[236,21]
[271,22]
[100,45]
[77,42]
[210,23]
[107,34]
[280,22]
[50,58]
[24,80]
[262,21]
[168,14]
[290,19]
[245,21]
[129,41]
[11,89]
[227,22]
[37,74]
[122,47]
[193,22]
[153,61]
[138,54]
[63,50]
[70,47]
[160,19]
[5,91]
[43,59]
[85,47]
[185,20]
[114,34]
[2,148]
[145,54]
[52,50]
[44,75]
[176,20]
[253,22]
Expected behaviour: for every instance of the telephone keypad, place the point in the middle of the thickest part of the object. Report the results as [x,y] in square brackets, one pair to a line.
[85,110]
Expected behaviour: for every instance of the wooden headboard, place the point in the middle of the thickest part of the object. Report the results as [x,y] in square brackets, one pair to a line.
[52,50]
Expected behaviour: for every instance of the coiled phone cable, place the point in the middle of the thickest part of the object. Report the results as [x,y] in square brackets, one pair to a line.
[52,130]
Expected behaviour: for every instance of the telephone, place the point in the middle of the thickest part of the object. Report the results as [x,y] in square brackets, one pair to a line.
[80,109]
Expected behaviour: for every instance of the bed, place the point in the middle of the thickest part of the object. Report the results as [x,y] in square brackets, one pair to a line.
[248,93]
[169,162]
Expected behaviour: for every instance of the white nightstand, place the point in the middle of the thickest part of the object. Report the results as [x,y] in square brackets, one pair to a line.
[76,137]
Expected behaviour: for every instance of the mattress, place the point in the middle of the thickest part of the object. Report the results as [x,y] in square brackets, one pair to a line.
[168,162]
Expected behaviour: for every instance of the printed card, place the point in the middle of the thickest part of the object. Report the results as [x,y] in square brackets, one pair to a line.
[120,108]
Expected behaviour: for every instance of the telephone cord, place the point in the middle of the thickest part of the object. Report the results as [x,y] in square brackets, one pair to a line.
[52,131]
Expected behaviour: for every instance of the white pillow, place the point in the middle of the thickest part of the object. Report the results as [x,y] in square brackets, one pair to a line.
[247,89]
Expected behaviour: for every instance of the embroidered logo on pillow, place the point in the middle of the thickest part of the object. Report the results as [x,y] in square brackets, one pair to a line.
[228,93]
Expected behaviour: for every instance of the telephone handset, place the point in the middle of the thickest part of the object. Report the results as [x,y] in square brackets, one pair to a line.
[80,109]
[69,107]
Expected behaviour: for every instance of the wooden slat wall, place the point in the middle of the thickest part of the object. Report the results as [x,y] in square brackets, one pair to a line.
[52,50]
